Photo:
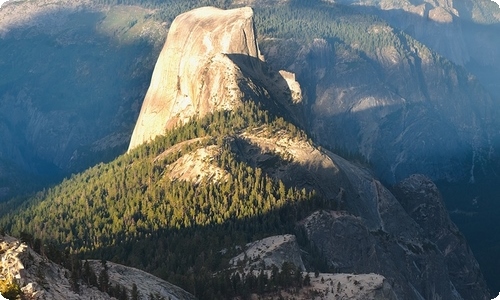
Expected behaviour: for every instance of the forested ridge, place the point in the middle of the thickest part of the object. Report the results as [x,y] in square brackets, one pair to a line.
[129,212]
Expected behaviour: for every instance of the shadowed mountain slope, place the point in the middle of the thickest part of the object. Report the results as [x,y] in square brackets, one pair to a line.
[73,76]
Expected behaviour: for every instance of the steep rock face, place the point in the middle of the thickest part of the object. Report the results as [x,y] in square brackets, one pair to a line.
[423,202]
[194,74]
[413,267]
[211,61]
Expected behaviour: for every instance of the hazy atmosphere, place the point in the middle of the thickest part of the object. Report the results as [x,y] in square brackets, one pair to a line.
[249,149]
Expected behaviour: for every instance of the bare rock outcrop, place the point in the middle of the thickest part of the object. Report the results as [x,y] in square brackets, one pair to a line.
[146,283]
[349,287]
[273,250]
[293,160]
[413,266]
[40,279]
[407,237]
[211,61]
[194,74]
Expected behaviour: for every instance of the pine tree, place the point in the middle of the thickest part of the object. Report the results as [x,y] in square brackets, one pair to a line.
[104,277]
[135,293]
[307,280]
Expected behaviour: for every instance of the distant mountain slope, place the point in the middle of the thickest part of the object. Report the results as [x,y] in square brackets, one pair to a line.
[375,92]
[72,78]
[466,32]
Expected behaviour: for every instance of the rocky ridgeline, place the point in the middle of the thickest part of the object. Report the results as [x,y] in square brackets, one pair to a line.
[40,278]
[37,276]
[148,286]
[270,251]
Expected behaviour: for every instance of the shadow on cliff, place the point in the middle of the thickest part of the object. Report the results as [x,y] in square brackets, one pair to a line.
[269,89]
[400,117]
[328,182]
[474,208]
